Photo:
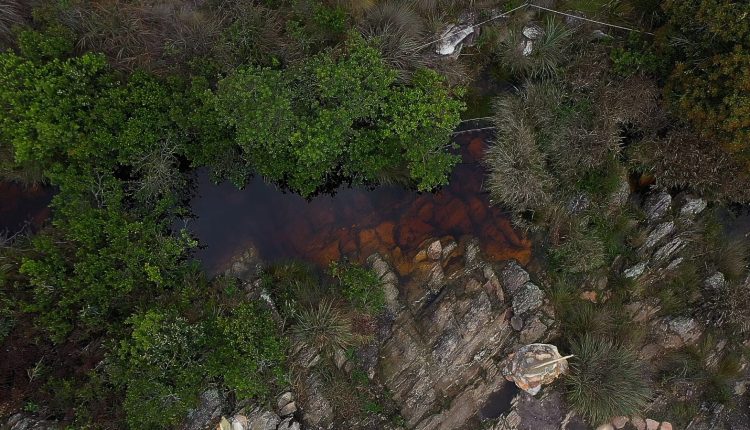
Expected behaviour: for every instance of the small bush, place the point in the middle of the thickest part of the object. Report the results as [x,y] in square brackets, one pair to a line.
[360,286]
[606,380]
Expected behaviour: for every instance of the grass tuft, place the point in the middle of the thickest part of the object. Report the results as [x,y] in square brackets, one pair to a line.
[606,380]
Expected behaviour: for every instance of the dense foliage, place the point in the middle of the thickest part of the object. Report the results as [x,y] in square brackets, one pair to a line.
[112,104]
[339,115]
[710,81]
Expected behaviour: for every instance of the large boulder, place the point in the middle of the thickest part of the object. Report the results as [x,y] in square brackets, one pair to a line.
[534,365]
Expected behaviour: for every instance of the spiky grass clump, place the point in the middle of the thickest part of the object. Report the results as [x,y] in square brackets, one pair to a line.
[605,380]
[730,257]
[729,308]
[140,34]
[324,327]
[540,57]
[11,15]
[517,171]
[398,32]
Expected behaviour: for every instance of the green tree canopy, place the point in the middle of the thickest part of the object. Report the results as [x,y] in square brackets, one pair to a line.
[340,115]
[710,82]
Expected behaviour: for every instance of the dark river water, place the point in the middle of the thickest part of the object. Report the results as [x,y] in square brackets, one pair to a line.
[22,207]
[354,222]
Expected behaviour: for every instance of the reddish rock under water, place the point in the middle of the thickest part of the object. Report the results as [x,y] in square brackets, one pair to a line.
[354,222]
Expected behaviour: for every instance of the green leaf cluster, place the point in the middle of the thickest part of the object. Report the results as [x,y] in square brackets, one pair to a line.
[341,115]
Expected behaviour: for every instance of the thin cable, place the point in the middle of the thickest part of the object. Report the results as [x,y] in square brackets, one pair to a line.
[589,20]
[474,129]
[502,15]
[475,119]
[505,14]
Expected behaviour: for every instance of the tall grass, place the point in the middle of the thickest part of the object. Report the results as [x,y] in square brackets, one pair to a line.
[398,31]
[605,380]
[142,34]
[517,167]
[324,327]
[11,14]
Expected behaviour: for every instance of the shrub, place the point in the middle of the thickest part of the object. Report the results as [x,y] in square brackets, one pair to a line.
[605,380]
[159,365]
[254,35]
[249,353]
[709,78]
[361,122]
[360,286]
[684,160]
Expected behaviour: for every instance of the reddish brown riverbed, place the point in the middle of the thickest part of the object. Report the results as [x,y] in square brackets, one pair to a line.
[355,222]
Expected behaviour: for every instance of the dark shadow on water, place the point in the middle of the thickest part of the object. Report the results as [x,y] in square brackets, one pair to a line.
[22,206]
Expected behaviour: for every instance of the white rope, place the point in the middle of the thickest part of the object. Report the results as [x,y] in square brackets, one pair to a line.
[502,15]
[527,4]
[589,20]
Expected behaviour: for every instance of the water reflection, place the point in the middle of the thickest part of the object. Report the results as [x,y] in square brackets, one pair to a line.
[355,222]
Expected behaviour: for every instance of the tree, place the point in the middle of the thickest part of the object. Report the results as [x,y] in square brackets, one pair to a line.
[710,81]
[340,116]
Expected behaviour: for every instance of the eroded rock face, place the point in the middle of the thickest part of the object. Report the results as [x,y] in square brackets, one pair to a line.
[442,358]
[547,412]
[528,298]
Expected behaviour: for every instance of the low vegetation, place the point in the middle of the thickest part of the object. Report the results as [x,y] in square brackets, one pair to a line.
[606,380]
